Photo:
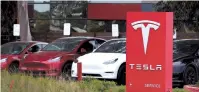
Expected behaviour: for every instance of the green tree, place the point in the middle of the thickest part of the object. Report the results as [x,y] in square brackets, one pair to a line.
[40,25]
[186,13]
[8,18]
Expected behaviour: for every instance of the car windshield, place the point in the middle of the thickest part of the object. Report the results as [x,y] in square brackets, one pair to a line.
[113,46]
[63,44]
[13,48]
[185,47]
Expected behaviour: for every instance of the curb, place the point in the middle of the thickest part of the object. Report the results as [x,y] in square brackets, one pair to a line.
[191,88]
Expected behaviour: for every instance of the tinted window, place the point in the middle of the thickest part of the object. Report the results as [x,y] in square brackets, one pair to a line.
[67,44]
[88,46]
[43,45]
[99,42]
[93,43]
[35,48]
[113,46]
[185,47]
[39,45]
[13,48]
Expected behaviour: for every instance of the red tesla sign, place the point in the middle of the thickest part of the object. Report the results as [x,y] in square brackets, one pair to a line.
[149,51]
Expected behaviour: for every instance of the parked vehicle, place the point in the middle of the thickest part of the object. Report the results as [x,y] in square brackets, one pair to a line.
[13,52]
[185,62]
[106,62]
[56,58]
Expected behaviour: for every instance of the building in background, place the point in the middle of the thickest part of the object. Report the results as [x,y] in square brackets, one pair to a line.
[91,16]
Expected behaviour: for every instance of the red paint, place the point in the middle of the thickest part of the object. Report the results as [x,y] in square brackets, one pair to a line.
[39,62]
[159,52]
[15,57]
[79,71]
[191,88]
[11,85]
[111,11]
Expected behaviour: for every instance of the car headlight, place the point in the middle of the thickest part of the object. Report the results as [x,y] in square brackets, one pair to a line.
[55,59]
[110,61]
[4,60]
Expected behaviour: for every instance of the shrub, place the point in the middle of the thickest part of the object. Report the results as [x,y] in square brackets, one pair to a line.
[22,83]
[197,84]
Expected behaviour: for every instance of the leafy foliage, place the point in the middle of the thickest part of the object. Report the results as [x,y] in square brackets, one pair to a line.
[197,84]
[186,13]
[8,16]
[22,83]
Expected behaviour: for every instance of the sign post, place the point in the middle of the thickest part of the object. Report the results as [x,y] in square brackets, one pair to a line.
[67,27]
[16,29]
[115,30]
[149,51]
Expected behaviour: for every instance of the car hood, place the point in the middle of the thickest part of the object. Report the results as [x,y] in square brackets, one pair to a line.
[7,56]
[4,56]
[100,57]
[44,55]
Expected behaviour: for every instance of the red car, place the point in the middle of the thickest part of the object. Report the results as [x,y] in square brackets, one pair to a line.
[13,52]
[56,58]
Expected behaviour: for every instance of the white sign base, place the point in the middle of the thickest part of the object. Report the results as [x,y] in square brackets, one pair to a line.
[67,27]
[115,30]
[16,29]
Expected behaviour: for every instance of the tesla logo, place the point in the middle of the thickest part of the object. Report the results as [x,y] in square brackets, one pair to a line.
[145,29]
[146,67]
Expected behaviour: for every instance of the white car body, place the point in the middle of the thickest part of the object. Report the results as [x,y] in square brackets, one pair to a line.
[100,65]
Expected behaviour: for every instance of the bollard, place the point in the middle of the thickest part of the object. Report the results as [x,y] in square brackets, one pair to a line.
[11,85]
[79,71]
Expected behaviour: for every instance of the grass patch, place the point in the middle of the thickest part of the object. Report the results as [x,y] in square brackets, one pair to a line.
[22,83]
[179,90]
[197,84]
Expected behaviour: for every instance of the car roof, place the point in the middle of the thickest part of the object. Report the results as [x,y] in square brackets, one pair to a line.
[186,40]
[117,39]
[29,42]
[83,37]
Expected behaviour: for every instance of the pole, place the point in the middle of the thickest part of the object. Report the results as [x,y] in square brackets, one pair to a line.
[79,71]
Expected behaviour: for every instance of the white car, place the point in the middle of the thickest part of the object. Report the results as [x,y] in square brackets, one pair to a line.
[106,62]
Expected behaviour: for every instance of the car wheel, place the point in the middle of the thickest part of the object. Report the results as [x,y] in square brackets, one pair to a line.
[13,68]
[121,80]
[190,76]
[66,72]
